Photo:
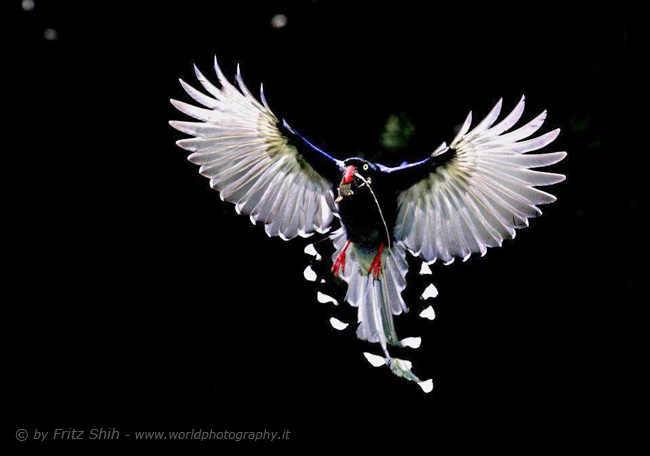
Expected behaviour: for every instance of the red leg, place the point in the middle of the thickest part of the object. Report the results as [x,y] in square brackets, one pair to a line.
[375,266]
[339,263]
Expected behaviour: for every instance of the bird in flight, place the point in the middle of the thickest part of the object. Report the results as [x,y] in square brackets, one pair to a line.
[464,197]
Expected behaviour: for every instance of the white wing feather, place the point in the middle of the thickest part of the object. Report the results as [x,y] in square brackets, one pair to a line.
[484,193]
[240,149]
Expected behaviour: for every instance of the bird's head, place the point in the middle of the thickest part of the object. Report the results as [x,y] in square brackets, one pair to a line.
[357,174]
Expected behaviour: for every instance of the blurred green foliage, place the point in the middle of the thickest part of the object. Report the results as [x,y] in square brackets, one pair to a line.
[398,131]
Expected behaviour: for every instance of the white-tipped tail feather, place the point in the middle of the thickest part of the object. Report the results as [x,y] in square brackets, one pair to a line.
[309,274]
[428,313]
[338,324]
[412,342]
[430,292]
[378,300]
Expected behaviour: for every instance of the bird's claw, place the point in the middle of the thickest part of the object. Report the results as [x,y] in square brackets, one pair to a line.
[339,264]
[375,267]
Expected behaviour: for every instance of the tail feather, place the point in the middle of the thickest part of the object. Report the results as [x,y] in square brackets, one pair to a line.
[377,300]
[375,316]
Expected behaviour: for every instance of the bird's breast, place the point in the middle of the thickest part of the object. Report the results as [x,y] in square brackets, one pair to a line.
[362,220]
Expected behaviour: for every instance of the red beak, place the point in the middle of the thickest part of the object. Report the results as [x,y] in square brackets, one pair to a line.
[349,174]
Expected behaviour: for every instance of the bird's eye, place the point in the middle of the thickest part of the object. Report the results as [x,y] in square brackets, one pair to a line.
[365,167]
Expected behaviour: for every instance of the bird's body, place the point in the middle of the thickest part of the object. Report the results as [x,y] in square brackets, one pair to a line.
[460,199]
[360,214]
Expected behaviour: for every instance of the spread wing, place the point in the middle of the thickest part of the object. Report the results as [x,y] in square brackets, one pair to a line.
[256,162]
[474,193]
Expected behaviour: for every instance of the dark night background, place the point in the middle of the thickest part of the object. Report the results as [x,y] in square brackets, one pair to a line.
[136,299]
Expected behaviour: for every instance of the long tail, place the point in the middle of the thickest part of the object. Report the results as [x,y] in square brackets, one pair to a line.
[377,301]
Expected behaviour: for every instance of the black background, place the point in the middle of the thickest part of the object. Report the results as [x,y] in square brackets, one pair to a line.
[136,299]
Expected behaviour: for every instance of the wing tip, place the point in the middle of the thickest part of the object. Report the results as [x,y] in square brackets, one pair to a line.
[217,69]
[182,143]
[197,72]
[176,103]
[553,134]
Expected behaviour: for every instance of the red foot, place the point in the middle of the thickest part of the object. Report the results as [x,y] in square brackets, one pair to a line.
[339,263]
[375,266]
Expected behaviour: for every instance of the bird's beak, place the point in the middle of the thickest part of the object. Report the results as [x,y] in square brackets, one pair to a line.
[345,188]
[349,174]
